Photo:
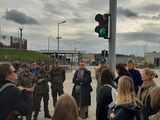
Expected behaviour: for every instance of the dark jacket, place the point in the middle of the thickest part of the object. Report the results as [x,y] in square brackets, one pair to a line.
[86,88]
[58,76]
[136,76]
[42,88]
[118,77]
[126,111]
[104,98]
[11,99]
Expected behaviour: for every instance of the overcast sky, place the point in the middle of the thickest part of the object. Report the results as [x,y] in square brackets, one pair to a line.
[138,24]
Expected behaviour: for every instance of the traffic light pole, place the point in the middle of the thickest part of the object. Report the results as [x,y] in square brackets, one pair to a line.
[112,40]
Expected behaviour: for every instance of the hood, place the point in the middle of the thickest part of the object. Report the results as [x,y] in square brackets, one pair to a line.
[134,106]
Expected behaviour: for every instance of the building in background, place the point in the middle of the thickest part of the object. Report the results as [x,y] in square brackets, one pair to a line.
[8,41]
[152,58]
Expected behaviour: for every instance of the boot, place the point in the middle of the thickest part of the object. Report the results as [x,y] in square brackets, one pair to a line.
[86,114]
[47,115]
[35,115]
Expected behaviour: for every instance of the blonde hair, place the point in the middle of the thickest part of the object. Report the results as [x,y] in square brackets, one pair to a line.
[155,99]
[150,73]
[125,90]
[66,108]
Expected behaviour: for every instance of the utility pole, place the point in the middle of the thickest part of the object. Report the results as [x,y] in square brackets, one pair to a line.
[112,40]
[20,43]
[0,34]
[159,55]
[59,37]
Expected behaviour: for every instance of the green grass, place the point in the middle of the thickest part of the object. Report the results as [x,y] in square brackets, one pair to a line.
[22,54]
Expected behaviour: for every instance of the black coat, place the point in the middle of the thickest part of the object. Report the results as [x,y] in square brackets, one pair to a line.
[104,98]
[11,99]
[86,88]
[136,76]
[126,111]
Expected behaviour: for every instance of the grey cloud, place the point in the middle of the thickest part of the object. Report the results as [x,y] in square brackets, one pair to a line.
[131,14]
[155,17]
[58,8]
[137,36]
[64,10]
[97,5]
[52,8]
[19,17]
[126,12]
[77,20]
[150,8]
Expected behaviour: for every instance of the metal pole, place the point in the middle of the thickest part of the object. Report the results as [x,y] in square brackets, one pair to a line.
[20,38]
[48,45]
[59,38]
[112,40]
[0,34]
[58,42]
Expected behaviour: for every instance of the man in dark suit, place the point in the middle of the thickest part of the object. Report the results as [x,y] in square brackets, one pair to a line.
[82,89]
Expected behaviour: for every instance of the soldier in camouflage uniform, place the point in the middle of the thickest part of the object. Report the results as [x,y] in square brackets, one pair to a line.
[25,83]
[57,78]
[34,70]
[42,91]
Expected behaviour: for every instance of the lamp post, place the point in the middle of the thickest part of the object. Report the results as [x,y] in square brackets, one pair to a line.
[20,42]
[59,38]
[48,43]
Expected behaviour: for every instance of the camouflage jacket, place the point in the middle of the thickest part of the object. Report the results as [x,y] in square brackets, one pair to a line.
[57,77]
[25,80]
[42,87]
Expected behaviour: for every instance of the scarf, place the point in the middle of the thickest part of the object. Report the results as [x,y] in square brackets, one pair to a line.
[144,90]
[155,116]
[80,74]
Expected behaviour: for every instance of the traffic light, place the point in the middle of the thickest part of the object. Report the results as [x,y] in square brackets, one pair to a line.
[103,28]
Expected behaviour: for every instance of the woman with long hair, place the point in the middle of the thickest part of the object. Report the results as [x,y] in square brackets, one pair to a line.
[105,94]
[121,71]
[66,108]
[12,103]
[148,76]
[126,105]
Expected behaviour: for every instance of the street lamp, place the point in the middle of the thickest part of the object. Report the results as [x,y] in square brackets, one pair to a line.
[20,42]
[59,38]
[48,43]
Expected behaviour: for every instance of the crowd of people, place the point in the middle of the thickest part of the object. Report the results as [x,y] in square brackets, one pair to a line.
[129,95]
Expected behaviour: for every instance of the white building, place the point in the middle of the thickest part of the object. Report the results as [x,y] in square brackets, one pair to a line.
[152,58]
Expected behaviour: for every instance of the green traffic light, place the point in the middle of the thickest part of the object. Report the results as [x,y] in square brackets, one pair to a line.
[102,32]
